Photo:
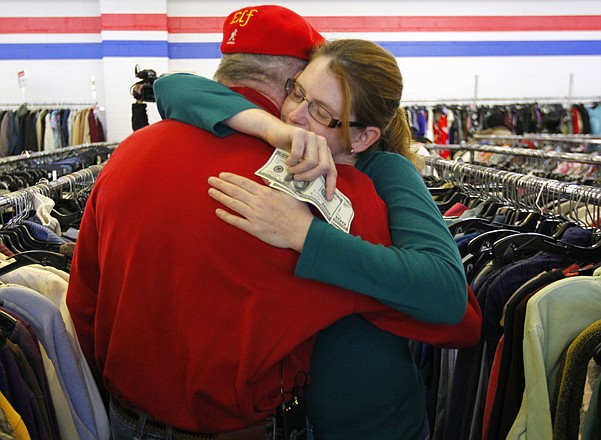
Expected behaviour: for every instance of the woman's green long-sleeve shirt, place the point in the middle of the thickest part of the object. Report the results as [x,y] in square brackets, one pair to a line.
[363,372]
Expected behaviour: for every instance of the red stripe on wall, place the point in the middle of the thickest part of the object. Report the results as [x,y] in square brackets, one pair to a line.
[457,24]
[414,24]
[49,25]
[192,25]
[160,22]
[134,22]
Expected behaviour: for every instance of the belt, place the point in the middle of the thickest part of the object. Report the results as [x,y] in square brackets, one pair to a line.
[132,415]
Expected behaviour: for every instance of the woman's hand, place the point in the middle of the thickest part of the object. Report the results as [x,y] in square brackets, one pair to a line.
[270,215]
[310,156]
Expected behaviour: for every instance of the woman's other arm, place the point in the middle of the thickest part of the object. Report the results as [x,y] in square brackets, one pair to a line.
[421,274]
[282,221]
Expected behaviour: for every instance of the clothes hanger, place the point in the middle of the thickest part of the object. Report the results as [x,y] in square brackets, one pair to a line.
[447,202]
[528,224]
[26,239]
[473,224]
[45,258]
[480,248]
[484,242]
[7,325]
[67,212]
[517,245]
[531,223]
[11,241]
[491,208]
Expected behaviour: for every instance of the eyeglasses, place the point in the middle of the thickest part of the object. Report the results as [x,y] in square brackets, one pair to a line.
[317,111]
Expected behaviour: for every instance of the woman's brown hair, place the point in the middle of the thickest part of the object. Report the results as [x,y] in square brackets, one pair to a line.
[372,85]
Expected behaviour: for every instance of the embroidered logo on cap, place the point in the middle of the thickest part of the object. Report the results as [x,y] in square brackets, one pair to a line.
[242,17]
[232,39]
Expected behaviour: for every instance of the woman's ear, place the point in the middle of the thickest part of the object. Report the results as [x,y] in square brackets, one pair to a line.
[364,138]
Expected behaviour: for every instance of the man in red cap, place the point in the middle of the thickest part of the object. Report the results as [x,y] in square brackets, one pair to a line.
[195,329]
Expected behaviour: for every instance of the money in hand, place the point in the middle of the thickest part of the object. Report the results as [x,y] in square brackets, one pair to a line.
[338,212]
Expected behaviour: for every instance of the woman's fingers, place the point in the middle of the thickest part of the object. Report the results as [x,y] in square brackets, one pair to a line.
[231,194]
[305,151]
[230,202]
[300,142]
[316,162]
[272,216]
[233,220]
[235,185]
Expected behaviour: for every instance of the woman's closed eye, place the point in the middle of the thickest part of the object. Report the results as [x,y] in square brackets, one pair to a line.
[297,95]
[321,111]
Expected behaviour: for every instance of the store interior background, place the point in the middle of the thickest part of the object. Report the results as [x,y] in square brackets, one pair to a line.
[85,51]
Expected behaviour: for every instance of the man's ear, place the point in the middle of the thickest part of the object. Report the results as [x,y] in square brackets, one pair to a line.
[364,138]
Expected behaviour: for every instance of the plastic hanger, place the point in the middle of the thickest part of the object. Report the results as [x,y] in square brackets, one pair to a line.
[26,238]
[45,258]
[445,204]
[484,242]
[7,325]
[518,245]
[20,239]
[472,224]
[532,222]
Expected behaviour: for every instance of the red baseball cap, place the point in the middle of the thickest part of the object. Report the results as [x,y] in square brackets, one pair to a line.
[269,30]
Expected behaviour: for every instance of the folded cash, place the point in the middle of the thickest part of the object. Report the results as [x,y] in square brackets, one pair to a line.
[338,212]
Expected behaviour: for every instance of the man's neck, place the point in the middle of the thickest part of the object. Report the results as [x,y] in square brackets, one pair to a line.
[258,98]
[265,90]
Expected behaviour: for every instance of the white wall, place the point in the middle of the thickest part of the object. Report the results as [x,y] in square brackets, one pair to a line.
[436,77]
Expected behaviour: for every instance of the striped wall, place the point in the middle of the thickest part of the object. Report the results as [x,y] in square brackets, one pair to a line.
[82,50]
[403,36]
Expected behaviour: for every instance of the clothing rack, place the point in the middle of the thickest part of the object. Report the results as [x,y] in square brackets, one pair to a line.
[502,101]
[40,156]
[523,152]
[48,104]
[49,126]
[22,201]
[522,191]
[556,138]
[559,229]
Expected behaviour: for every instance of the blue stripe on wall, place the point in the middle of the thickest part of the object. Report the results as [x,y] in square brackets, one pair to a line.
[492,48]
[435,48]
[118,48]
[50,51]
[62,51]
[114,48]
[194,50]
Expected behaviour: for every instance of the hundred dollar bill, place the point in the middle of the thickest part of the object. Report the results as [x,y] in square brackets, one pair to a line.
[338,212]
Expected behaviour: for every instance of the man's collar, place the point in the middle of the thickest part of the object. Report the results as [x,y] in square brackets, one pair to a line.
[258,99]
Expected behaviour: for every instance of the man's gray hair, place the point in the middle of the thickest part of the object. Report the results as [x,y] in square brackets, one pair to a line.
[266,74]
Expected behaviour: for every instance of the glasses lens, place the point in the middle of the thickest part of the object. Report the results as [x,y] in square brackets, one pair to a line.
[293,91]
[320,114]
[316,111]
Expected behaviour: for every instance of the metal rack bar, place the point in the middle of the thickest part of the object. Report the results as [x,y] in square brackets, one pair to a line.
[503,101]
[587,158]
[541,137]
[515,186]
[48,104]
[52,155]
[22,199]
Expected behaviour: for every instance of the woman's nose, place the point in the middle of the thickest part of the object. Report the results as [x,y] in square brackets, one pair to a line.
[299,114]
